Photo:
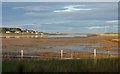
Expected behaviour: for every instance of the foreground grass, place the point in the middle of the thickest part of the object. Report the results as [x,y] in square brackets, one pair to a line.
[81,65]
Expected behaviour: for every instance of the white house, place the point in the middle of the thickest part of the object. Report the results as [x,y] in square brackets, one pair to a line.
[32,32]
[17,31]
[42,34]
[8,32]
[36,32]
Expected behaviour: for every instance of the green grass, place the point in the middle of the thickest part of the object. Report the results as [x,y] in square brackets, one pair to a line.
[81,65]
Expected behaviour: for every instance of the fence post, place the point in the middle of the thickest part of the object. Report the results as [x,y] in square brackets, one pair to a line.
[94,53]
[108,53]
[71,56]
[21,53]
[61,52]
[95,59]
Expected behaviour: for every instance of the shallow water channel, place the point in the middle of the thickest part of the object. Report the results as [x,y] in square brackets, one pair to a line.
[83,48]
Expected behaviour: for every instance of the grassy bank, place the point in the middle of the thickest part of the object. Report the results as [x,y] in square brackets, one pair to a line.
[81,65]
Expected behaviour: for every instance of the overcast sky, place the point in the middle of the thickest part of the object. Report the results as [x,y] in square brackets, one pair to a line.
[59,0]
[61,16]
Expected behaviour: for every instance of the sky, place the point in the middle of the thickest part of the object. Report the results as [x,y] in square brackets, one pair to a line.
[88,17]
[60,0]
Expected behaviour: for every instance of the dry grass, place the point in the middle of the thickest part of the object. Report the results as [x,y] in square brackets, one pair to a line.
[19,43]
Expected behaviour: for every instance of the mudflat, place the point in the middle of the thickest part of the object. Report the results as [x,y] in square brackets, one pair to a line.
[52,46]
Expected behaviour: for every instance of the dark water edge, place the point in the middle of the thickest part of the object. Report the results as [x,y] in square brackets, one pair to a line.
[78,65]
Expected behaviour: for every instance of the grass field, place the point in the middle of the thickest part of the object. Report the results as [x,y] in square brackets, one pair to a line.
[80,65]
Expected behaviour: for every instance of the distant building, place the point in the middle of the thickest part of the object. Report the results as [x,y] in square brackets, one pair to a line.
[36,32]
[42,34]
[7,32]
[32,32]
[27,31]
[17,31]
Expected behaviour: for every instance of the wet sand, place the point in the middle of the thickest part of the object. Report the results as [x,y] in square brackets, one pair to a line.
[14,45]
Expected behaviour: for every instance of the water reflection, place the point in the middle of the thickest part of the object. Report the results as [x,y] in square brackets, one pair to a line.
[34,49]
[68,35]
[48,36]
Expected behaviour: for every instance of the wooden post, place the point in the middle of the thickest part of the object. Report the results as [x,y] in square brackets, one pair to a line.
[95,59]
[61,52]
[94,53]
[71,56]
[21,53]
[108,53]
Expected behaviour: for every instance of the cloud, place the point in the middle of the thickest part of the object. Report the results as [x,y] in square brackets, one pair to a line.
[112,21]
[70,28]
[98,27]
[35,14]
[29,24]
[115,27]
[58,22]
[32,8]
[31,14]
[71,8]
[60,0]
